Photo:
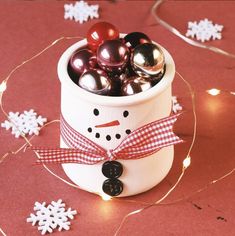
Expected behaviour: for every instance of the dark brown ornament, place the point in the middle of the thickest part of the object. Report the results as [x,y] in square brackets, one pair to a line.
[136,38]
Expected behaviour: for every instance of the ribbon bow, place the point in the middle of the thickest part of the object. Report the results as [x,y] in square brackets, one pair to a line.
[142,142]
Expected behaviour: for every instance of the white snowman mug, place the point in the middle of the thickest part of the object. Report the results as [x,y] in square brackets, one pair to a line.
[88,113]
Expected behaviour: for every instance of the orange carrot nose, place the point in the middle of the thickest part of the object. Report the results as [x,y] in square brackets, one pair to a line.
[112,123]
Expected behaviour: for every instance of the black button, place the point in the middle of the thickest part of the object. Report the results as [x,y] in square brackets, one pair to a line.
[112,169]
[112,187]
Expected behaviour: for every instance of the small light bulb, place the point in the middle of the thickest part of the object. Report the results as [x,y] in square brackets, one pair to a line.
[3,86]
[187,162]
[106,197]
[232,93]
[213,92]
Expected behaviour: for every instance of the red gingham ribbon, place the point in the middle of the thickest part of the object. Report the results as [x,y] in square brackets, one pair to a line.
[140,143]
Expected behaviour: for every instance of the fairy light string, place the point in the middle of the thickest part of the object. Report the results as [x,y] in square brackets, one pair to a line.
[185,164]
[3,85]
[173,30]
[27,143]
[185,198]
[2,232]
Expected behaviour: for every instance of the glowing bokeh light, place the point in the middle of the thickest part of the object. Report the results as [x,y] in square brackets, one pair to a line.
[213,92]
[106,197]
[187,162]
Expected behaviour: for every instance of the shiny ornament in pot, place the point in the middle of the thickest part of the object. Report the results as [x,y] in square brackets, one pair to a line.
[148,60]
[136,38]
[101,32]
[95,81]
[113,56]
[156,79]
[134,85]
[82,60]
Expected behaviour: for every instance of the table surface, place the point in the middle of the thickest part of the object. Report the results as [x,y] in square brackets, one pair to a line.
[27,27]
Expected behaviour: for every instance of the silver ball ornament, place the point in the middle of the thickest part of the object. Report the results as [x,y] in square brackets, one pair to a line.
[148,60]
[134,85]
[95,81]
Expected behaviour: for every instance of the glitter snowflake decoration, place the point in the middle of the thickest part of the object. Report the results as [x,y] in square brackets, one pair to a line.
[176,107]
[80,11]
[51,217]
[26,123]
[205,30]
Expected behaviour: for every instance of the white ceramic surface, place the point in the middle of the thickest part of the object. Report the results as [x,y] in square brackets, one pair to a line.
[77,107]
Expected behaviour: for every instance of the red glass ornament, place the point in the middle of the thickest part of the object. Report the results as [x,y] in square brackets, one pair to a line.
[100,32]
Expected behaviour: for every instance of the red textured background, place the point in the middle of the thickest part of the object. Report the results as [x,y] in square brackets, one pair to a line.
[28,26]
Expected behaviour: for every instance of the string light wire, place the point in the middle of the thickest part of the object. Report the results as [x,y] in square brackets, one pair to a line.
[27,143]
[173,30]
[1,231]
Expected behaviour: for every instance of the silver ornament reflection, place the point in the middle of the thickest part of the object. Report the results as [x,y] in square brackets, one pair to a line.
[95,81]
[148,60]
[156,79]
[134,85]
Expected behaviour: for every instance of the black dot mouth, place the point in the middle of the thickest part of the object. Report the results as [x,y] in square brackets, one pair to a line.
[108,137]
[128,131]
[89,129]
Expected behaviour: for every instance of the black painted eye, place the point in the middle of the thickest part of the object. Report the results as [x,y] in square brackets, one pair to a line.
[96,112]
[125,113]
[97,135]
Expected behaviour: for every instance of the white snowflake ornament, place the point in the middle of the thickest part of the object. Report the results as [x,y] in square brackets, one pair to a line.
[51,217]
[205,30]
[25,123]
[80,11]
[176,107]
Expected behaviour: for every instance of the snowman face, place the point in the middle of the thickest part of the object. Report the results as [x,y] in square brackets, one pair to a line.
[108,129]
